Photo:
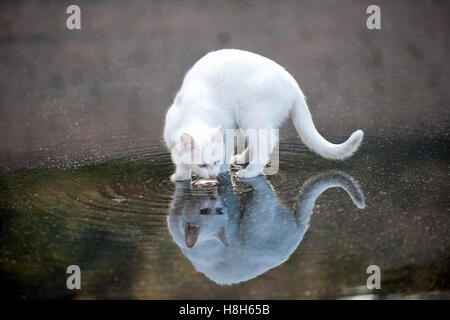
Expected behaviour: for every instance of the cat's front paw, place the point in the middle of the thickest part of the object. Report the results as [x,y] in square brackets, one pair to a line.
[176,177]
[247,174]
[237,159]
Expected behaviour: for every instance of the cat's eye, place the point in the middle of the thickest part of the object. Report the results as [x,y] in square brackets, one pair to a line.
[203,165]
[205,211]
[219,210]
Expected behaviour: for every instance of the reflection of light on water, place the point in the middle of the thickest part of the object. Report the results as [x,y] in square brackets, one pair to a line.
[361,297]
[205,182]
[358,293]
[400,296]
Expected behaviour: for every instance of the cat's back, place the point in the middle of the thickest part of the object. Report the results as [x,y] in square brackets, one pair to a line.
[233,65]
[233,57]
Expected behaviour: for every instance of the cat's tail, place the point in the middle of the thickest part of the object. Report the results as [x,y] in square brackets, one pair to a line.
[318,184]
[312,138]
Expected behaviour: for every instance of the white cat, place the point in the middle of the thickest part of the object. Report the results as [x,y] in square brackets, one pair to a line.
[235,89]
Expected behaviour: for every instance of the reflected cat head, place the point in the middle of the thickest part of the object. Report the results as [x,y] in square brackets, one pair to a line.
[201,215]
[231,239]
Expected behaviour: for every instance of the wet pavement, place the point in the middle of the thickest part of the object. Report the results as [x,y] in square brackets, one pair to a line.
[84,175]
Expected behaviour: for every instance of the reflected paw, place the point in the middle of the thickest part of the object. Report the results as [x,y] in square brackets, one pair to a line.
[247,174]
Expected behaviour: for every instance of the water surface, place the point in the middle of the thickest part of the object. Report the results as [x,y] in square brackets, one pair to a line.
[305,238]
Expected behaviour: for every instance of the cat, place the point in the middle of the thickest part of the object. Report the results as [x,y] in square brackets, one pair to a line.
[232,239]
[231,89]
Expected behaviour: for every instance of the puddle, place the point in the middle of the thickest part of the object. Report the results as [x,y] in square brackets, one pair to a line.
[308,232]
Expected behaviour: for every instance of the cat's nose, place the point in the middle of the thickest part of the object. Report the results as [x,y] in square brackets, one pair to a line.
[212,176]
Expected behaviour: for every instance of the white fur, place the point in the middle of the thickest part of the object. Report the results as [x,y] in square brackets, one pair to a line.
[240,90]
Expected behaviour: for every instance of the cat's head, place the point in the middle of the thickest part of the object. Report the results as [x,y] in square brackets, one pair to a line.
[201,151]
[199,220]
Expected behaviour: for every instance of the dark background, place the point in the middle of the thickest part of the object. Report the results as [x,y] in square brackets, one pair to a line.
[102,91]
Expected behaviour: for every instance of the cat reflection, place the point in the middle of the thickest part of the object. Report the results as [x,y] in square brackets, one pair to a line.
[231,240]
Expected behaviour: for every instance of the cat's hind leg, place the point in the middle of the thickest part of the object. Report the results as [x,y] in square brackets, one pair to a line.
[259,152]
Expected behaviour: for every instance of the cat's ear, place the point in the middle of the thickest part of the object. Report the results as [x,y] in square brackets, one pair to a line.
[218,134]
[222,236]
[187,142]
[191,234]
